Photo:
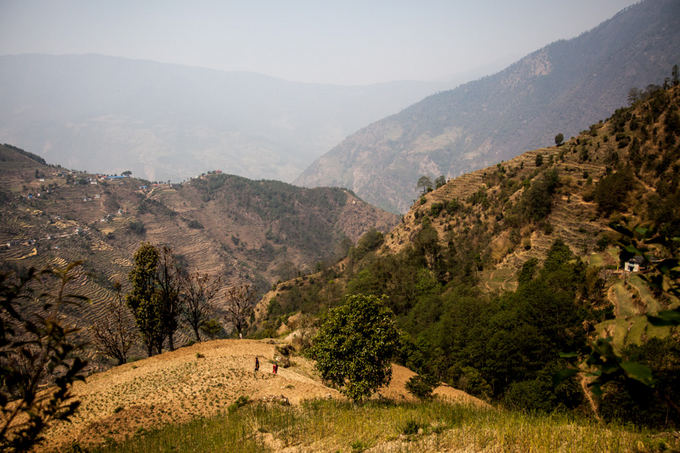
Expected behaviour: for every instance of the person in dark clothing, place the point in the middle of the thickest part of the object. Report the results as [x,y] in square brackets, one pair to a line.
[257,364]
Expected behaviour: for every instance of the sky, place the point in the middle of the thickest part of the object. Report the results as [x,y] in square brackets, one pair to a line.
[339,42]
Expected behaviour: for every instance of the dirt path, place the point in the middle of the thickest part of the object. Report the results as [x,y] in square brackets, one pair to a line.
[589,396]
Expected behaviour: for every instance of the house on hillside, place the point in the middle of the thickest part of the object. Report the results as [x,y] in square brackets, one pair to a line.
[634,264]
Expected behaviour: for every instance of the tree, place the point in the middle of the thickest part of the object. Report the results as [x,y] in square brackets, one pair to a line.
[168,283]
[425,183]
[114,333]
[198,292]
[440,181]
[35,347]
[559,139]
[355,344]
[675,74]
[126,173]
[240,301]
[634,94]
[143,298]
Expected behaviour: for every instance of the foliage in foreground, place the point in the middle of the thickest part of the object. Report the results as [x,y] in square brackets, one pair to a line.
[324,425]
[35,348]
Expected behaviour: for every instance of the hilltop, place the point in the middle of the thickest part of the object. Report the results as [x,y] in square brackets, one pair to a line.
[242,230]
[560,88]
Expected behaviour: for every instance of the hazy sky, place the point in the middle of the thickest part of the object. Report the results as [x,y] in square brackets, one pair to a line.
[343,42]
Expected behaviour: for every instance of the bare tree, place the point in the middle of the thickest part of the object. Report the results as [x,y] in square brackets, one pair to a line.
[168,280]
[240,301]
[198,292]
[114,333]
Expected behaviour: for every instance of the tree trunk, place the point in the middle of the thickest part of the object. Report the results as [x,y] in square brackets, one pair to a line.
[171,342]
[198,337]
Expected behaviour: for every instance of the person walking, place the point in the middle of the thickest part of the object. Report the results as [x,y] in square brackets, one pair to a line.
[257,364]
[275,368]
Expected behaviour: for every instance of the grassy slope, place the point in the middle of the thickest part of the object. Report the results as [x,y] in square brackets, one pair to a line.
[390,427]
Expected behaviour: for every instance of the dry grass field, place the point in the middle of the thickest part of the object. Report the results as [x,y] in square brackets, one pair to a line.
[194,382]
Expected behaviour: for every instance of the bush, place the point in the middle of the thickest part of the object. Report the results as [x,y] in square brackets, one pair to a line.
[537,199]
[136,227]
[421,387]
[411,427]
[612,190]
[195,224]
[436,209]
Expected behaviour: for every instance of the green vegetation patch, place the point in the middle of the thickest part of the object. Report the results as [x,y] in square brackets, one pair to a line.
[329,425]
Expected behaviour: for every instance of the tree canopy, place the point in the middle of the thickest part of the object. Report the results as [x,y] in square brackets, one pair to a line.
[355,344]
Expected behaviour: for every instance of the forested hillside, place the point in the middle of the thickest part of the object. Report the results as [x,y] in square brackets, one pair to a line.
[561,88]
[498,272]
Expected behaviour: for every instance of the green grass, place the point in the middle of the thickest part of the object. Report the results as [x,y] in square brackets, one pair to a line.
[648,299]
[624,301]
[329,425]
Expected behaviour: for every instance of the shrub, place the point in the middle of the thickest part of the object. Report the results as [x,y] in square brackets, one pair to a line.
[136,227]
[195,224]
[436,209]
[612,190]
[411,427]
[421,387]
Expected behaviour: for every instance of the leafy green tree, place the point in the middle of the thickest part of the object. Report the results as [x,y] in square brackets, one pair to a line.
[559,139]
[355,344]
[143,298]
[537,199]
[440,181]
[36,347]
[425,184]
[612,190]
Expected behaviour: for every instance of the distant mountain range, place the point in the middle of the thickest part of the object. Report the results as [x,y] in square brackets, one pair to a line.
[561,88]
[164,121]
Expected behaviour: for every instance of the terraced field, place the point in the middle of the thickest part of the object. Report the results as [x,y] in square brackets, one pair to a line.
[199,381]
[52,216]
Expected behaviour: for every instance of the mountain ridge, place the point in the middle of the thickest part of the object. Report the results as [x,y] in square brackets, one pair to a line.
[580,81]
[170,121]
